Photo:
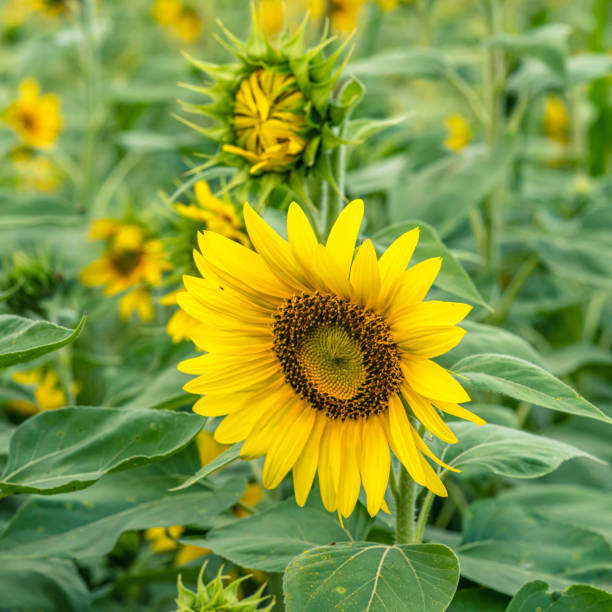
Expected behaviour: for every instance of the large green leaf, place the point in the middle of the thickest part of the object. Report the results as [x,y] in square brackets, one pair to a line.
[505,546]
[163,390]
[524,381]
[49,584]
[452,278]
[480,338]
[506,451]
[443,193]
[372,577]
[25,339]
[567,359]
[70,448]
[269,540]
[569,503]
[577,598]
[87,523]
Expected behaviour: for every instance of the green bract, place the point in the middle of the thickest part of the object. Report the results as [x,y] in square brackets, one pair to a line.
[318,118]
[214,596]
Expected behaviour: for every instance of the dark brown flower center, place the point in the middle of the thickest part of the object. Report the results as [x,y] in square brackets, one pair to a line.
[336,355]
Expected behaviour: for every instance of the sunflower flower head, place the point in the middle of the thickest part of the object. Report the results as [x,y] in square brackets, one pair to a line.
[164,539]
[320,357]
[458,132]
[34,117]
[216,595]
[34,172]
[343,14]
[556,119]
[44,383]
[273,109]
[130,261]
[181,20]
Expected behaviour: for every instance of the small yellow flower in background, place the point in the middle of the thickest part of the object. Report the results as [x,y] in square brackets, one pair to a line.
[48,393]
[35,118]
[556,119]
[312,350]
[35,172]
[218,215]
[272,15]
[459,132]
[180,325]
[268,120]
[130,259]
[344,14]
[183,21]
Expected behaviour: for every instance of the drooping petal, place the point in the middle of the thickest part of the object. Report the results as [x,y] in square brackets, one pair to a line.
[459,411]
[350,482]
[432,380]
[325,470]
[427,415]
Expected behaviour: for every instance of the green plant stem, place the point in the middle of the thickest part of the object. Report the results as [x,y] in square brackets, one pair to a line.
[276,588]
[464,89]
[518,280]
[91,72]
[494,82]
[335,193]
[404,524]
[423,516]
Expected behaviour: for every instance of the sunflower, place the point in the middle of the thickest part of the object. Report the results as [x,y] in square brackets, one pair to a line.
[344,14]
[34,172]
[183,21]
[556,119]
[312,355]
[46,388]
[129,261]
[459,132]
[35,118]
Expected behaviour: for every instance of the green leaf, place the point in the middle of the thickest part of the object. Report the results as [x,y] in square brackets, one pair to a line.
[443,193]
[505,451]
[547,44]
[472,599]
[25,339]
[359,130]
[567,359]
[452,278]
[373,577]
[410,62]
[225,458]
[480,338]
[524,381]
[577,598]
[49,584]
[70,448]
[588,67]
[567,503]
[269,540]
[151,141]
[87,523]
[505,546]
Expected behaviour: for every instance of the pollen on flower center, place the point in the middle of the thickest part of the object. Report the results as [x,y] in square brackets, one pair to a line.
[336,355]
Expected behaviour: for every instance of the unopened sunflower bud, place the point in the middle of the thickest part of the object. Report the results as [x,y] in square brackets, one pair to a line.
[214,596]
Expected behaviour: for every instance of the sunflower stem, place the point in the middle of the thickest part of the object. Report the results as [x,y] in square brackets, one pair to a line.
[404,523]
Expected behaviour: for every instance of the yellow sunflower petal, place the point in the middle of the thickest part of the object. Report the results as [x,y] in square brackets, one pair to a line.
[432,380]
[238,425]
[350,482]
[427,415]
[431,342]
[325,470]
[429,314]
[291,436]
[305,467]
[343,235]
[365,277]
[459,411]
[376,462]
[393,262]
[414,285]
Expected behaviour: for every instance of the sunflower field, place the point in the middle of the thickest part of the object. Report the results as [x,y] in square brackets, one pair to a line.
[305,305]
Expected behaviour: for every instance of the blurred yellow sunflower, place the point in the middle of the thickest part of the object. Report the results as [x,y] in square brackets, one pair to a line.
[48,393]
[458,131]
[34,172]
[311,354]
[556,119]
[343,14]
[218,215]
[129,260]
[35,118]
[183,21]
[267,120]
